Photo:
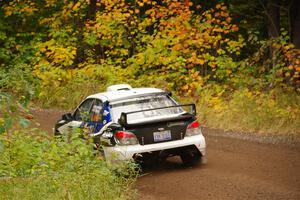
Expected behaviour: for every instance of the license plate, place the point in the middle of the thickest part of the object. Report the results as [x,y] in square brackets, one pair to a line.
[162,136]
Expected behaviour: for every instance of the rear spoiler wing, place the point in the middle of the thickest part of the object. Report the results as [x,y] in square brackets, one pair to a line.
[124,116]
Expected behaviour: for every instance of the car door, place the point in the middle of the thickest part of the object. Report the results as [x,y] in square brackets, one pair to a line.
[94,117]
[80,116]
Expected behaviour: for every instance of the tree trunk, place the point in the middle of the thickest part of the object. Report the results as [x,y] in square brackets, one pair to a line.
[273,26]
[295,23]
[92,9]
[273,18]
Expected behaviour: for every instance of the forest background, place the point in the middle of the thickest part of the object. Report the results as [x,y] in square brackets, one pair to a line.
[238,60]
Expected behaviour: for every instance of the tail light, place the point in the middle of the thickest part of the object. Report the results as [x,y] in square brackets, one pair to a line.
[193,129]
[125,138]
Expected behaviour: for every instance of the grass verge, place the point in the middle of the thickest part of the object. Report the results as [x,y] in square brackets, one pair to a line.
[275,112]
[36,166]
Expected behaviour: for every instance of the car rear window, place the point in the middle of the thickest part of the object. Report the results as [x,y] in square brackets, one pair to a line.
[144,103]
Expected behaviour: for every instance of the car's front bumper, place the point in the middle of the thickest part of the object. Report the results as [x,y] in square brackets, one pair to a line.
[127,152]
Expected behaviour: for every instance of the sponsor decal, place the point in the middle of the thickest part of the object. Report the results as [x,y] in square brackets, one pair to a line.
[170,124]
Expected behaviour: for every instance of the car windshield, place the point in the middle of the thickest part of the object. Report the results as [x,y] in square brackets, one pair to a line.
[144,103]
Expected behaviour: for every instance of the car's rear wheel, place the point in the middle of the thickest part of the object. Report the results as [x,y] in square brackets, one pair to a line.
[190,157]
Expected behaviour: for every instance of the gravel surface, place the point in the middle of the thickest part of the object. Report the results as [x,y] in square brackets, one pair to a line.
[236,168]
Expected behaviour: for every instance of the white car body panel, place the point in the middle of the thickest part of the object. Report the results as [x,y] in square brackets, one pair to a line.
[69,126]
[113,96]
[136,121]
[127,152]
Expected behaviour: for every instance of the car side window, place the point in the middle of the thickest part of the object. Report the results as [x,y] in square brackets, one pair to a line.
[82,112]
[96,111]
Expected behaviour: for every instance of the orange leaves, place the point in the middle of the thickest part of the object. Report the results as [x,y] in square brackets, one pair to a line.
[221,22]
[235,28]
[201,40]
[157,40]
[292,56]
[192,82]
[285,61]
[137,11]
[228,19]
[195,60]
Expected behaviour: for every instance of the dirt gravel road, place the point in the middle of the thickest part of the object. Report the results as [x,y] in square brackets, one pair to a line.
[235,169]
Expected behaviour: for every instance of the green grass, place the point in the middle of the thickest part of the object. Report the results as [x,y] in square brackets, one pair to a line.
[99,184]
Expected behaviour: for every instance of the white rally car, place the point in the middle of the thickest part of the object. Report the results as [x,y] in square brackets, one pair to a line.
[139,124]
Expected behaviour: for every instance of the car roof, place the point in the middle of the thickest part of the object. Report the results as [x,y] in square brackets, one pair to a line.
[119,95]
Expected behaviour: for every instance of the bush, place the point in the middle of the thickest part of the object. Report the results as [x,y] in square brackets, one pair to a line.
[34,165]
[39,167]
[65,89]
[244,110]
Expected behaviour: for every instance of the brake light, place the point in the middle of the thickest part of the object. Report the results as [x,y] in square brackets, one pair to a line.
[193,129]
[125,138]
[194,124]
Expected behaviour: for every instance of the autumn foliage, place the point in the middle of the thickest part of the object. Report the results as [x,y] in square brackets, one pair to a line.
[64,50]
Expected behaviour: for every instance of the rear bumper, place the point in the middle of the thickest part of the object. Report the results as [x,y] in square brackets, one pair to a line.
[127,152]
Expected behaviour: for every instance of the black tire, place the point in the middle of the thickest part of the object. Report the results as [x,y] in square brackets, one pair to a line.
[190,158]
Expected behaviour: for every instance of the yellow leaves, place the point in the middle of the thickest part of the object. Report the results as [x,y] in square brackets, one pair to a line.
[49,3]
[201,61]
[154,41]
[24,7]
[208,16]
[192,83]
[185,88]
[8,11]
[56,54]
[220,51]
[219,30]
[235,46]
[76,6]
[221,6]
[228,71]
[60,55]
[195,60]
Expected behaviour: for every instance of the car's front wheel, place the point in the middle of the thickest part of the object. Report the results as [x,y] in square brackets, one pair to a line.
[191,157]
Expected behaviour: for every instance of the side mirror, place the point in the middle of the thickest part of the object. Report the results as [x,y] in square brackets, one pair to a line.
[67,117]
